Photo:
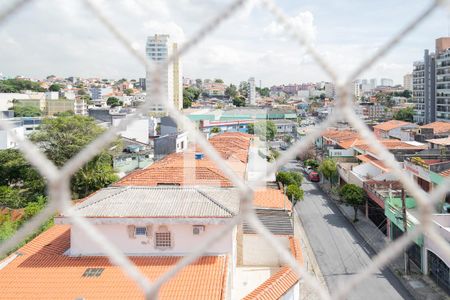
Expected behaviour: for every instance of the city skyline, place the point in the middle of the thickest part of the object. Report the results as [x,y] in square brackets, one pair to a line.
[259,48]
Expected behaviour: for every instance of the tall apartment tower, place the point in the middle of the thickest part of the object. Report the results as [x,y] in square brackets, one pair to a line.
[386,82]
[407,82]
[159,49]
[251,91]
[373,83]
[424,89]
[443,79]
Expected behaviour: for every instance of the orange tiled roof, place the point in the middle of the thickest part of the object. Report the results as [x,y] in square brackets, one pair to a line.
[445,173]
[370,159]
[438,127]
[178,169]
[389,125]
[184,169]
[43,272]
[271,198]
[340,135]
[279,283]
[392,144]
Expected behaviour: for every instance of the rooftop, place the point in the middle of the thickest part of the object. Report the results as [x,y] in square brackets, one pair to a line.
[159,202]
[271,198]
[392,124]
[442,141]
[42,271]
[438,127]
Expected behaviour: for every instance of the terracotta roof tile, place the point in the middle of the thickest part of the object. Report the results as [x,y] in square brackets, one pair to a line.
[389,125]
[271,198]
[370,159]
[438,127]
[43,272]
[392,144]
[279,283]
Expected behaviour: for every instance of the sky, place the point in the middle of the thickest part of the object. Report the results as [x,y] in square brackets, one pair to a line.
[65,39]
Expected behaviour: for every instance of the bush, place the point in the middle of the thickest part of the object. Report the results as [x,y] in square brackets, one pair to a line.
[288,178]
[294,193]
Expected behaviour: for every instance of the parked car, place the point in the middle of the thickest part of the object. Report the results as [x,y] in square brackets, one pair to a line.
[314,176]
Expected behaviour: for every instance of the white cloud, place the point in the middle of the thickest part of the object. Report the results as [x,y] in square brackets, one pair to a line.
[171,28]
[303,22]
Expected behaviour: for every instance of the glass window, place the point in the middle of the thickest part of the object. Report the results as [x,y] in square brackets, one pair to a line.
[141,231]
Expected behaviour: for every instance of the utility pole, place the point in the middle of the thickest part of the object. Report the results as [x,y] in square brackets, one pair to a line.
[405,228]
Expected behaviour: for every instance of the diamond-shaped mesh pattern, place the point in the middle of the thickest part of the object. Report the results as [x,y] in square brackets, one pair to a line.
[58,179]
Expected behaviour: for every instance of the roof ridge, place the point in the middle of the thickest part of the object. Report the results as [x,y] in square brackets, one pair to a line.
[204,194]
[122,189]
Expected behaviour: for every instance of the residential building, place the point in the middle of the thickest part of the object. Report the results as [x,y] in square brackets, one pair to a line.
[424,95]
[433,130]
[142,84]
[170,143]
[442,79]
[159,49]
[6,136]
[251,93]
[386,82]
[408,82]
[214,89]
[98,93]
[395,129]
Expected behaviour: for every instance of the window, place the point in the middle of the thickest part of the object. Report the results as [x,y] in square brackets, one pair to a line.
[163,239]
[141,231]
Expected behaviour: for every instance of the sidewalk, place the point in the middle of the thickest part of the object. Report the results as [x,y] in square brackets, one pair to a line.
[419,285]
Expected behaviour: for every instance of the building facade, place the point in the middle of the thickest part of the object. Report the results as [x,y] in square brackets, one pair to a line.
[159,49]
[251,91]
[407,82]
[443,79]
[423,89]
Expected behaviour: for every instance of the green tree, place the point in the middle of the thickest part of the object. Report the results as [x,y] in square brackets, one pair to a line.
[218,80]
[352,195]
[231,91]
[322,96]
[294,193]
[21,110]
[405,114]
[406,94]
[266,130]
[113,102]
[215,130]
[239,101]
[10,197]
[128,92]
[62,138]
[55,87]
[328,168]
[19,85]
[264,92]
[7,228]
[288,178]
[251,128]
[311,163]
[243,89]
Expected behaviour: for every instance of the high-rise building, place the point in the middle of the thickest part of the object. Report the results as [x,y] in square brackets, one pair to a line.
[251,91]
[407,82]
[424,89]
[373,83]
[159,49]
[386,82]
[442,79]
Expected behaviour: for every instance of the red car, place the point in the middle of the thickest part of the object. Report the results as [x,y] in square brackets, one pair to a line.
[314,176]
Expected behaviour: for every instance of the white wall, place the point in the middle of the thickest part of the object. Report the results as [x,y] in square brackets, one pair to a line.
[183,240]
[293,293]
[6,141]
[138,130]
[441,222]
[258,252]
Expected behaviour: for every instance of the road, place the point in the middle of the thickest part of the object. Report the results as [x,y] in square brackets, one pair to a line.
[339,249]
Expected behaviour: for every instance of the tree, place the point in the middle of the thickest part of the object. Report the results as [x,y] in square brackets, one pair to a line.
[11,197]
[294,193]
[231,91]
[311,163]
[322,96]
[21,110]
[113,102]
[198,83]
[62,138]
[243,89]
[215,130]
[405,114]
[266,130]
[328,168]
[264,92]
[288,178]
[287,138]
[55,87]
[251,128]
[406,94]
[19,85]
[352,195]
[239,101]
[128,92]
[218,80]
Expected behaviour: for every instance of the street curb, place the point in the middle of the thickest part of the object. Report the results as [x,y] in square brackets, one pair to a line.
[310,253]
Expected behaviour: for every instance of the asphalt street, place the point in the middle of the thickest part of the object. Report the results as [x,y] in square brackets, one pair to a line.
[340,251]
